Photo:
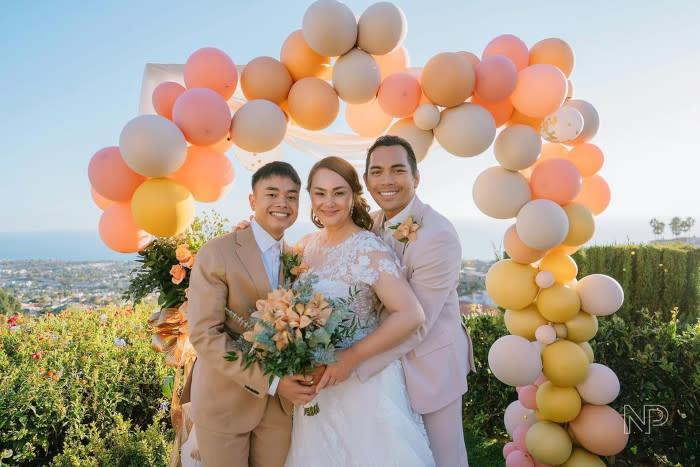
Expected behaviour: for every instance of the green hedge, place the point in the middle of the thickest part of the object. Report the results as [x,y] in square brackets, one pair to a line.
[654,277]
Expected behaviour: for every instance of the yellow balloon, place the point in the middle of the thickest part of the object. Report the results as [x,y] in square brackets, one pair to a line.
[582,458]
[524,322]
[557,404]
[558,303]
[582,327]
[162,207]
[564,363]
[588,349]
[581,224]
[562,266]
[548,442]
[511,285]
[560,329]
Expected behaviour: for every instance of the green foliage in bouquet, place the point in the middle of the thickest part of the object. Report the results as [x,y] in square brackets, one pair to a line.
[166,263]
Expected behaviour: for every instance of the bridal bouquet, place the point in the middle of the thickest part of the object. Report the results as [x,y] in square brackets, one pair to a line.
[295,330]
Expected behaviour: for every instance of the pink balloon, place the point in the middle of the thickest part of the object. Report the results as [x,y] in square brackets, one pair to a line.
[556,179]
[541,464]
[399,94]
[508,448]
[526,396]
[496,77]
[202,115]
[519,459]
[111,177]
[540,379]
[541,90]
[164,96]
[206,173]
[519,436]
[211,68]
[119,230]
[101,202]
[510,46]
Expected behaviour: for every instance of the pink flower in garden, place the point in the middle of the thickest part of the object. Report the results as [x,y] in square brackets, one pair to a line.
[36,356]
[12,320]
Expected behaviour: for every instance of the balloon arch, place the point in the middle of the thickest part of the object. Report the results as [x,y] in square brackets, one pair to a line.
[173,154]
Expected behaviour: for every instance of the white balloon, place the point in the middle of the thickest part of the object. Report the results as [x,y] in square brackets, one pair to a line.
[514,361]
[466,130]
[356,77]
[563,125]
[590,120]
[427,116]
[152,146]
[517,147]
[601,386]
[501,193]
[381,28]
[329,28]
[542,224]
[420,140]
[544,279]
[259,125]
[253,160]
[545,334]
[516,414]
[600,295]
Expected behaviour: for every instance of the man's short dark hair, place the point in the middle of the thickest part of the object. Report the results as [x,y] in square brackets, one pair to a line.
[391,140]
[283,169]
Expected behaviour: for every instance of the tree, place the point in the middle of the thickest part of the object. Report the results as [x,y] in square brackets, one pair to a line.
[675,226]
[687,224]
[9,304]
[657,226]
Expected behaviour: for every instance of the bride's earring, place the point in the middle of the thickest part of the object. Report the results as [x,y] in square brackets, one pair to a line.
[352,209]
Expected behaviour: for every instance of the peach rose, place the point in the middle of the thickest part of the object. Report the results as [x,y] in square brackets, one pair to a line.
[178,273]
[184,255]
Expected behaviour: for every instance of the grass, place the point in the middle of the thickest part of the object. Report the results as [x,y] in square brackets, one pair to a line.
[483,452]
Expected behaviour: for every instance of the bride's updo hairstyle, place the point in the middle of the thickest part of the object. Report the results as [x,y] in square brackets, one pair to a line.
[360,211]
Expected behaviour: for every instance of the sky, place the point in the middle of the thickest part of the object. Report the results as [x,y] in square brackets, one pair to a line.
[71,76]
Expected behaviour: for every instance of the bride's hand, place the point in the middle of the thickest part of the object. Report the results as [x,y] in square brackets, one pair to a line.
[242,225]
[339,371]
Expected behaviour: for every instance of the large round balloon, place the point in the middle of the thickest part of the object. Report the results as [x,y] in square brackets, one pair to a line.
[313,103]
[163,207]
[600,429]
[500,193]
[500,111]
[564,363]
[516,415]
[152,146]
[101,202]
[582,327]
[557,180]
[399,95]
[600,295]
[329,28]
[590,120]
[509,46]
[524,322]
[565,124]
[514,361]
[206,173]
[258,126]
[517,250]
[548,442]
[466,130]
[211,68]
[558,404]
[558,303]
[554,52]
[368,119]
[448,79]
[301,60]
[356,77]
[601,386]
[511,285]
[594,194]
[381,28]
[542,224]
[541,89]
[266,78]
[517,147]
[203,116]
[164,97]
[420,140]
[119,231]
[562,266]
[587,157]
[496,77]
[581,224]
[111,177]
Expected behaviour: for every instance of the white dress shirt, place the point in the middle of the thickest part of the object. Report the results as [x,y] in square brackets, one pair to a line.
[387,233]
[270,253]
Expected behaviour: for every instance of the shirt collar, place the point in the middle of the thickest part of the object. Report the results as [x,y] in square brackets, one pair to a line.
[401,216]
[264,240]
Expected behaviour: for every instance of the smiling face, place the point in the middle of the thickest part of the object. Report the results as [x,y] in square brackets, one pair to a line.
[331,198]
[275,201]
[389,179]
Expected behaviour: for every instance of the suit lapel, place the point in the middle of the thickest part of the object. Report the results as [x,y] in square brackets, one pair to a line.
[249,254]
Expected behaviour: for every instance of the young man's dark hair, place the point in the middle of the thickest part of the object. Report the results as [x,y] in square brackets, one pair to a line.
[283,169]
[391,140]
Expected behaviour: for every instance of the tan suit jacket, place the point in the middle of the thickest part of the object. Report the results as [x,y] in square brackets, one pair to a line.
[438,356]
[226,398]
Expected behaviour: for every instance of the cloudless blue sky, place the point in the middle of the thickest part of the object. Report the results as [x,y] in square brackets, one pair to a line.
[71,78]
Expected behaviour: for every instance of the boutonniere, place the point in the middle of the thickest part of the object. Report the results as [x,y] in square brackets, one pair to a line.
[292,266]
[406,231]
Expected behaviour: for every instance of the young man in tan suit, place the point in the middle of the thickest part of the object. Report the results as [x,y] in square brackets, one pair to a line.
[437,358]
[240,418]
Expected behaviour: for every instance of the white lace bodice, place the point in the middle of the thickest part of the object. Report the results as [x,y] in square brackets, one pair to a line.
[357,263]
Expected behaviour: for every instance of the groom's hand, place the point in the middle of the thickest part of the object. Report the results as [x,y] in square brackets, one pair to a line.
[293,389]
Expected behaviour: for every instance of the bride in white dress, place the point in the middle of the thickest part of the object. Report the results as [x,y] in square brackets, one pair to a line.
[370,423]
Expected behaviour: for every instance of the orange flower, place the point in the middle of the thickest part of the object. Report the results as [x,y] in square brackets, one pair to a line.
[297,270]
[178,273]
[184,255]
[187,293]
[406,231]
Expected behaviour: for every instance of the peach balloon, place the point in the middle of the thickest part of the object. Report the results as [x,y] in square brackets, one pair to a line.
[266,78]
[587,157]
[551,151]
[313,103]
[202,115]
[509,46]
[258,126]
[206,173]
[500,111]
[518,117]
[601,386]
[300,59]
[101,202]
[562,267]
[368,119]
[223,145]
[329,27]
[500,193]
[554,52]
[557,180]
[393,62]
[541,90]
[517,147]
[590,121]
[427,116]
[542,224]
[399,94]
[164,96]
[569,89]
[465,130]
[517,250]
[526,396]
[110,177]
[600,429]
[565,249]
[594,194]
[211,68]
[496,77]
[448,79]
[381,28]
[471,57]
[421,140]
[581,224]
[356,77]
[119,231]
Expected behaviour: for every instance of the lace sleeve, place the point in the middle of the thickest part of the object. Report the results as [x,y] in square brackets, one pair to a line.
[373,259]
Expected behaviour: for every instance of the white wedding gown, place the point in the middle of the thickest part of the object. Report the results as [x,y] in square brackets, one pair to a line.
[359,424]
